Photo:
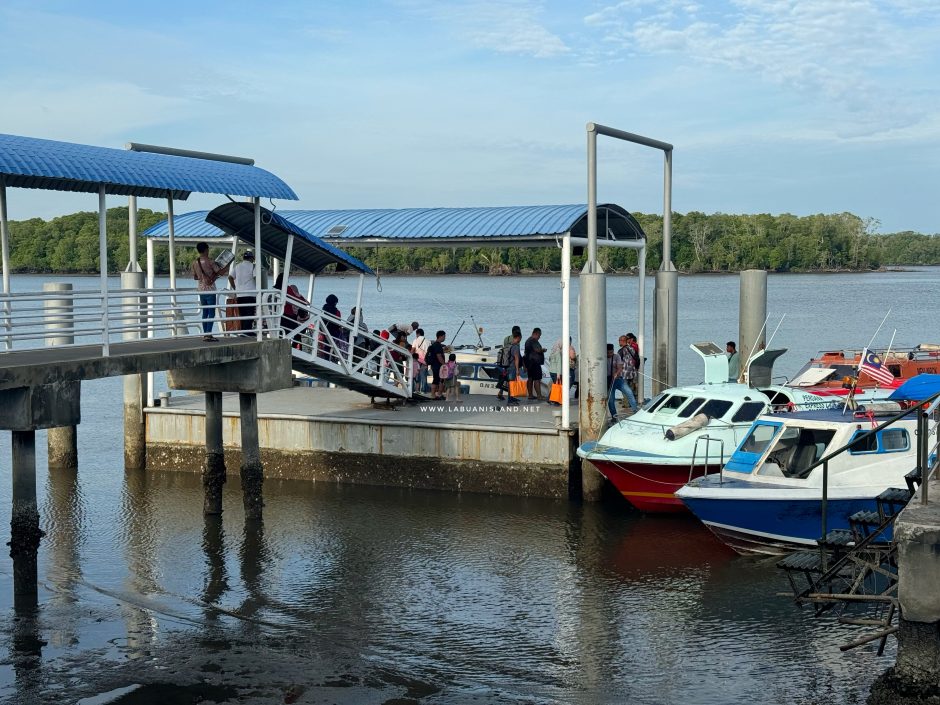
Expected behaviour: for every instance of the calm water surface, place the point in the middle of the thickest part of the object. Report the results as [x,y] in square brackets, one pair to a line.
[371,595]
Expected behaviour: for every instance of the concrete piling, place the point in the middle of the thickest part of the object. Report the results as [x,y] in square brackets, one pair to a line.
[915,678]
[213,474]
[752,313]
[62,442]
[592,318]
[251,471]
[135,437]
[25,533]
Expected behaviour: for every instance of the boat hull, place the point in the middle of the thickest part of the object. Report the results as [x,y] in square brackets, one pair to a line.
[769,526]
[650,487]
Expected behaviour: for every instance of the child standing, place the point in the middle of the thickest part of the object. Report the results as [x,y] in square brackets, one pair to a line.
[449,378]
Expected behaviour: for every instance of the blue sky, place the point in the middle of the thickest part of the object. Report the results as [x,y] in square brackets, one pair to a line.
[795,106]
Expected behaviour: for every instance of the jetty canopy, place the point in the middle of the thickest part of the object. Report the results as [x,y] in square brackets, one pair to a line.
[503,226]
[30,162]
[309,253]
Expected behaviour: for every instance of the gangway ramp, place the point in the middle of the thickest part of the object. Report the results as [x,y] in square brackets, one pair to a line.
[334,350]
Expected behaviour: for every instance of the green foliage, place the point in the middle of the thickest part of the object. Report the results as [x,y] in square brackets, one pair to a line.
[700,243]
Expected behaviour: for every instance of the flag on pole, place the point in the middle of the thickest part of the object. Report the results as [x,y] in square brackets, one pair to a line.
[875,368]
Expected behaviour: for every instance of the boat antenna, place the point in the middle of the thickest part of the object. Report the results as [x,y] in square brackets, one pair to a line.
[750,356]
[879,328]
[454,339]
[772,335]
[478,331]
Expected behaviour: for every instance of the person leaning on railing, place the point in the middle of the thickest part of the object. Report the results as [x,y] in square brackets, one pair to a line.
[206,271]
[242,279]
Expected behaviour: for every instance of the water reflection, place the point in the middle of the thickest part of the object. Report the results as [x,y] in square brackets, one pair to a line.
[213,546]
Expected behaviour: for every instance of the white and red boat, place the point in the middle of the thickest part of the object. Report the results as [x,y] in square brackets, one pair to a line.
[687,431]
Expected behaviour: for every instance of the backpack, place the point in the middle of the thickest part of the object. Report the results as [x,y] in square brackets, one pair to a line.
[505,358]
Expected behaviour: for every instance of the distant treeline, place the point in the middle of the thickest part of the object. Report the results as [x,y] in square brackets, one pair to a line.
[700,242]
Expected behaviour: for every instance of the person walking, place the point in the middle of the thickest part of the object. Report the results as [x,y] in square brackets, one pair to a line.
[616,381]
[632,376]
[534,357]
[627,371]
[206,271]
[509,362]
[420,348]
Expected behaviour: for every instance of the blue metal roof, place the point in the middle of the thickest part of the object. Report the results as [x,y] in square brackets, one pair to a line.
[310,253]
[427,225]
[29,162]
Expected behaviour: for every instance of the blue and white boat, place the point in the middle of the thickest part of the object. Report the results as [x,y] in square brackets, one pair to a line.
[768,498]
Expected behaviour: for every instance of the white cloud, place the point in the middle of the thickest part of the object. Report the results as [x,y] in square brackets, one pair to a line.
[855,55]
[507,26]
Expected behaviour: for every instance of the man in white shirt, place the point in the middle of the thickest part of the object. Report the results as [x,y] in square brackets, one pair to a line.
[405,328]
[242,278]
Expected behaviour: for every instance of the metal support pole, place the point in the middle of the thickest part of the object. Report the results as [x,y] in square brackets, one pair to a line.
[310,282]
[275,267]
[134,312]
[62,442]
[285,282]
[824,511]
[355,329]
[565,333]
[258,267]
[641,326]
[103,267]
[752,313]
[213,475]
[667,209]
[592,316]
[171,243]
[252,474]
[592,201]
[665,316]
[132,265]
[5,250]
[151,277]
[923,453]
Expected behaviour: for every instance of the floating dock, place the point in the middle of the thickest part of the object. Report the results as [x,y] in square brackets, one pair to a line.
[335,435]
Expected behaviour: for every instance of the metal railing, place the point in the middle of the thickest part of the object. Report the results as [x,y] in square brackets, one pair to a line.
[721,455]
[30,320]
[339,346]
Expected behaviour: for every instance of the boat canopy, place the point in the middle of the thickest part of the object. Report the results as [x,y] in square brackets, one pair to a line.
[759,368]
[917,388]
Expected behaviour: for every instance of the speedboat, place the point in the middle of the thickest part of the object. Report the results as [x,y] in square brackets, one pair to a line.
[689,431]
[836,371]
[768,497]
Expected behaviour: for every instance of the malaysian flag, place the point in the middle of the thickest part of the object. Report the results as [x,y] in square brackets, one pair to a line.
[875,368]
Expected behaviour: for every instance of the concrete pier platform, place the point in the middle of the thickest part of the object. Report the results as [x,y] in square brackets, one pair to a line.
[334,435]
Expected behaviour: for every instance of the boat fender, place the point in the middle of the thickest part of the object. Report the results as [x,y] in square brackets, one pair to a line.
[686,427]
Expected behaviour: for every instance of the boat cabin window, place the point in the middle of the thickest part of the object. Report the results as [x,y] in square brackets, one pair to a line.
[657,401]
[890,440]
[759,438]
[672,403]
[795,451]
[466,371]
[716,408]
[488,372]
[777,398]
[748,411]
[690,408]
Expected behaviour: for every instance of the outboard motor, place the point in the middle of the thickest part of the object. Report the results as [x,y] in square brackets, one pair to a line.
[686,427]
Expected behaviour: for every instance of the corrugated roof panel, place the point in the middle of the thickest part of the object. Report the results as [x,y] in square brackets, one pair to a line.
[310,253]
[411,224]
[29,162]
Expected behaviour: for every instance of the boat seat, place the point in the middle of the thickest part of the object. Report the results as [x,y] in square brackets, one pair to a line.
[803,457]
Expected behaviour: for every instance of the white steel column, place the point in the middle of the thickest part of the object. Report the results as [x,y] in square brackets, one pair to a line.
[103,265]
[151,269]
[259,263]
[358,317]
[275,267]
[641,324]
[310,283]
[171,243]
[5,249]
[285,283]
[565,332]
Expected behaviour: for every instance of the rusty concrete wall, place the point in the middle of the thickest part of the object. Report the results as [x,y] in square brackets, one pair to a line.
[472,460]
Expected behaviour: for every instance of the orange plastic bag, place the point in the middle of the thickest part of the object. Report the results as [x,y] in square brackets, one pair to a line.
[555,394]
[517,388]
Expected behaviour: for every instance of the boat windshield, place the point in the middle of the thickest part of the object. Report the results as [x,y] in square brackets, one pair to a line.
[759,438]
[795,451]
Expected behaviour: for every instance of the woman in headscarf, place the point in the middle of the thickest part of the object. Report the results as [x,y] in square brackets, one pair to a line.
[333,326]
